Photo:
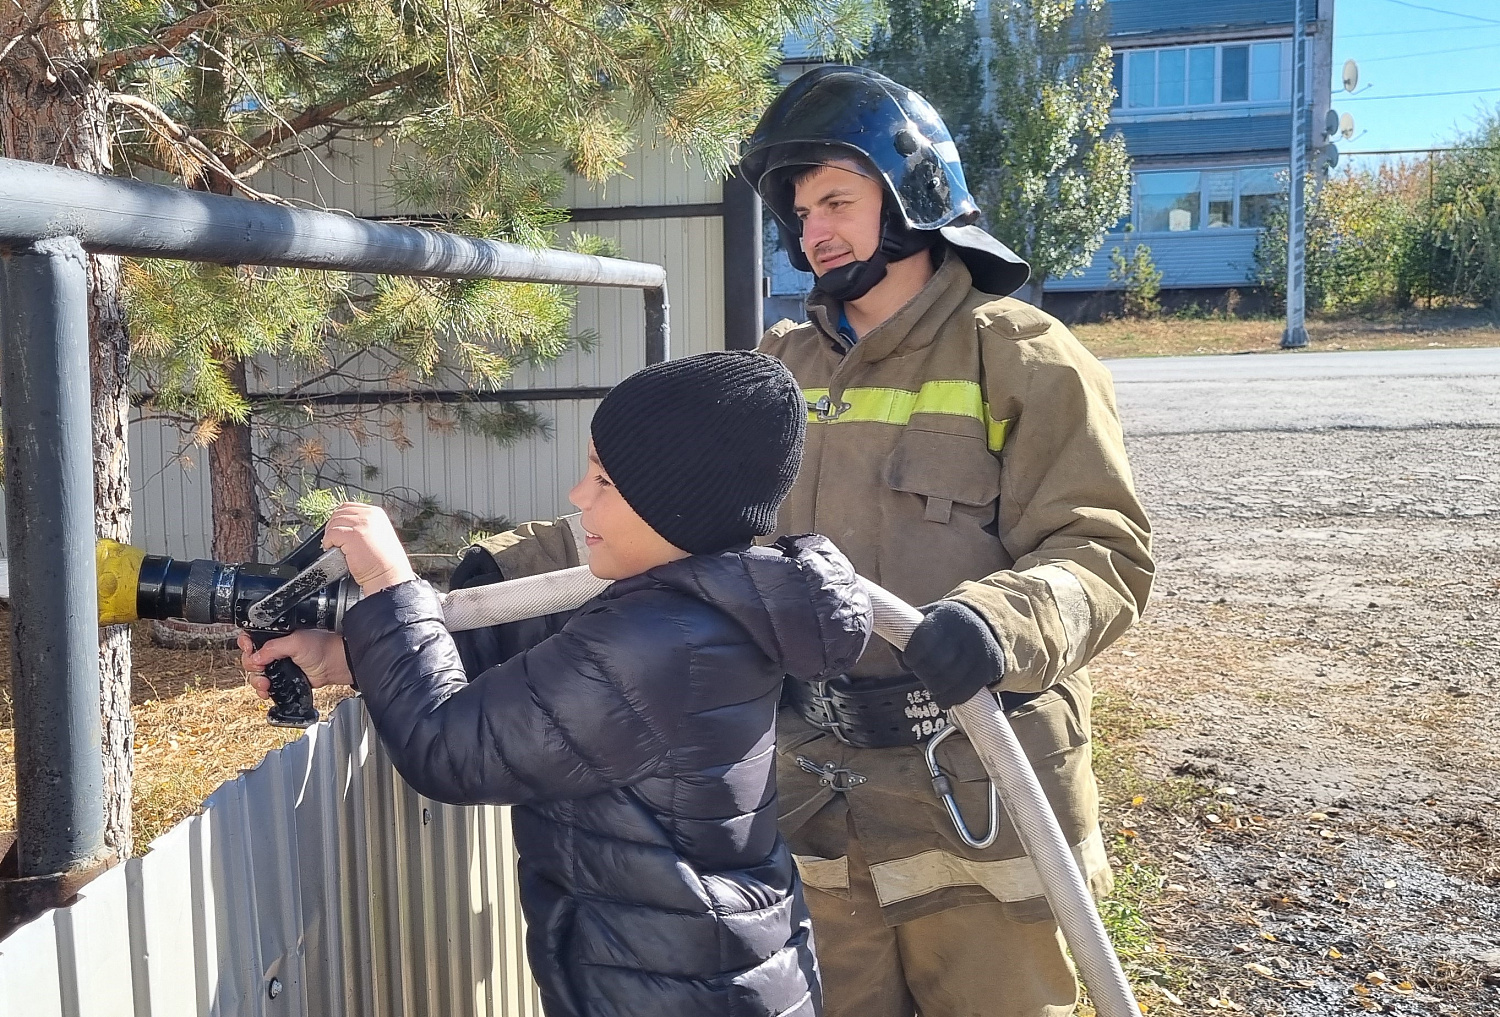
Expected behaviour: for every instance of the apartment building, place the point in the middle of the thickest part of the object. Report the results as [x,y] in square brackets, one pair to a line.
[1204,105]
[1205,91]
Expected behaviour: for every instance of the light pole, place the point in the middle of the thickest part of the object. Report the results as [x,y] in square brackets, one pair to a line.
[1295,336]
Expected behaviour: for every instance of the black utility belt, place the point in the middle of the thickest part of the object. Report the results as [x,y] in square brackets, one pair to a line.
[876,713]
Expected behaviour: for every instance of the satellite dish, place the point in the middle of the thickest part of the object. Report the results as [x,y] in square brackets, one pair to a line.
[1330,157]
[1351,75]
[1346,126]
[1331,124]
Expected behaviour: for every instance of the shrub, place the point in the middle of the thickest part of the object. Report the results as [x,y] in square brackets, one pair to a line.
[1140,279]
[1364,235]
[1462,259]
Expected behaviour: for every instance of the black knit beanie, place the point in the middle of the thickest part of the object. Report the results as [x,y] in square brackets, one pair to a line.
[704,448]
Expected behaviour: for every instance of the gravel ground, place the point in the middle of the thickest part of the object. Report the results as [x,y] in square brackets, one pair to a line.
[1322,657]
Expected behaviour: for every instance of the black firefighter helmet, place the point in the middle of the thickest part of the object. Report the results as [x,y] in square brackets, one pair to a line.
[837,112]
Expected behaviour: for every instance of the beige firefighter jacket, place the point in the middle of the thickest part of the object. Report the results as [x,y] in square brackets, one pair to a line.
[968,447]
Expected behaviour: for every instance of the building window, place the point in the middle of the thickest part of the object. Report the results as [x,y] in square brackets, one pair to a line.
[1140,73]
[1184,201]
[1260,193]
[1235,79]
[1265,72]
[1168,202]
[1202,63]
[1219,199]
[1186,76]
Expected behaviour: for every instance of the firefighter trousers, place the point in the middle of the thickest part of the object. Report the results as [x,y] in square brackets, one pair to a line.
[968,962]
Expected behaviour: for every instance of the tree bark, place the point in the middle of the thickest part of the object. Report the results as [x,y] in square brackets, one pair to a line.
[231,468]
[52,112]
[231,474]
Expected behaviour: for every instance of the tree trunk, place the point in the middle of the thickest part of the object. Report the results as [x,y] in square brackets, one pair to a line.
[231,476]
[231,470]
[50,113]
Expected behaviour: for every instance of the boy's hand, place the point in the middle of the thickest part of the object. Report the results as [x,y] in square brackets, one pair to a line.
[319,654]
[370,545]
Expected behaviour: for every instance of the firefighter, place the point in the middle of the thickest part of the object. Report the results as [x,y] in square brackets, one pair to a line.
[963,450]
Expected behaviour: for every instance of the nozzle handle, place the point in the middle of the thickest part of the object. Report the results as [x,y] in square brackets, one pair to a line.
[291,692]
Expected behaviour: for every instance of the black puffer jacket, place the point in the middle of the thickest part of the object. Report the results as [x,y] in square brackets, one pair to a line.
[638,745]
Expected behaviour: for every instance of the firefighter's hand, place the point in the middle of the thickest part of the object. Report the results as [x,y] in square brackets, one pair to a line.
[370,545]
[954,653]
[319,654]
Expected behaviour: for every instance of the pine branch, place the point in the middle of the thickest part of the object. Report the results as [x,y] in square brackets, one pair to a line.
[334,371]
[158,121]
[30,21]
[336,129]
[166,41]
[317,116]
[161,45]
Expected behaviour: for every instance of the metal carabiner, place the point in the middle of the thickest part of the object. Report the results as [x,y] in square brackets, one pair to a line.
[944,788]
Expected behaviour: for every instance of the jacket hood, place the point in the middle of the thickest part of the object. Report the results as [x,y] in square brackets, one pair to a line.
[799,599]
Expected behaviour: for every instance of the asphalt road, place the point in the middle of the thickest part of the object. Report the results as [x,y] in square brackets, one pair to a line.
[1309,391]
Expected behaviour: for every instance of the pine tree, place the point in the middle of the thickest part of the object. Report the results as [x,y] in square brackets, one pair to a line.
[1026,88]
[490,101]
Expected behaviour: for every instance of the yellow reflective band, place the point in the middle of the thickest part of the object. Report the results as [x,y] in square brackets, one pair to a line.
[897,406]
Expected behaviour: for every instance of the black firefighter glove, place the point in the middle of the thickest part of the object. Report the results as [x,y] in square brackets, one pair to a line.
[954,653]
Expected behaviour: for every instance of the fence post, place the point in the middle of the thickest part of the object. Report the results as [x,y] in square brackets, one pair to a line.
[49,502]
[658,340]
[744,314]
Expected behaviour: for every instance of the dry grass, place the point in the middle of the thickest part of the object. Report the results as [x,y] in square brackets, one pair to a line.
[1161,337]
[197,725]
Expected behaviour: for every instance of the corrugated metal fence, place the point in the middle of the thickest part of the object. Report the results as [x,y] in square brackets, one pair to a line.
[316,884]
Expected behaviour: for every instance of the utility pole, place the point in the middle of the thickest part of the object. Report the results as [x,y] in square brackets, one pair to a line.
[1295,336]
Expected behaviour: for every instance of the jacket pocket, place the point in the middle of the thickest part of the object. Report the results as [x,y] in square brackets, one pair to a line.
[945,470]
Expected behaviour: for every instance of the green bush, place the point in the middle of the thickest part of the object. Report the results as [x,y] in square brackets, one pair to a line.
[1140,280]
[1387,236]
[1462,259]
[1364,236]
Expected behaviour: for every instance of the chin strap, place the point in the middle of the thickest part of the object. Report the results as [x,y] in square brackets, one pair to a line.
[897,242]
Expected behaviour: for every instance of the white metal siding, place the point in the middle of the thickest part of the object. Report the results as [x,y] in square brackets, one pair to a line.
[320,869]
[354,176]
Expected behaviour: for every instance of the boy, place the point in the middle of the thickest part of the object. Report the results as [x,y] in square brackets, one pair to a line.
[637,743]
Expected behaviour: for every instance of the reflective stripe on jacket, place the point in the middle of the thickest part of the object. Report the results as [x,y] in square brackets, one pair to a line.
[967,447]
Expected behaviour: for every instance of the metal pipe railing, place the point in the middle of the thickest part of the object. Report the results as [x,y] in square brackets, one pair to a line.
[110,215]
[49,218]
[49,501]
